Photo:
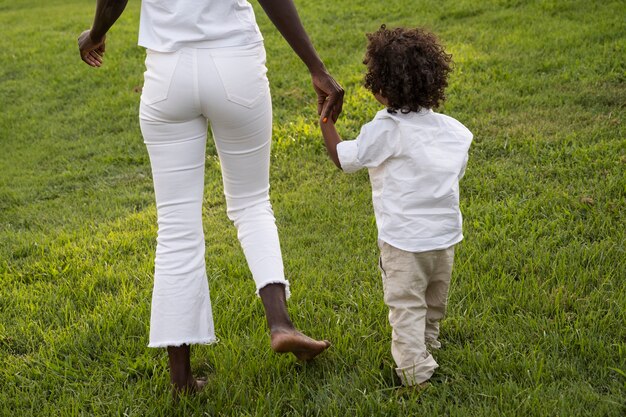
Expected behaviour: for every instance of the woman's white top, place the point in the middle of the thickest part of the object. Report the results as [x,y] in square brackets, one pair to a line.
[169,25]
[415,161]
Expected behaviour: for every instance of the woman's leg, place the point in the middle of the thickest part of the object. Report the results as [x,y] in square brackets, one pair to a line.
[181,307]
[175,135]
[240,113]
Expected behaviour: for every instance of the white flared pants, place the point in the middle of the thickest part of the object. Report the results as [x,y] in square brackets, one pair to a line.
[183,92]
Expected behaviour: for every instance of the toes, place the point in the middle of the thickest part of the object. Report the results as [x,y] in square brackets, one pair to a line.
[191,387]
[303,347]
[200,384]
[308,354]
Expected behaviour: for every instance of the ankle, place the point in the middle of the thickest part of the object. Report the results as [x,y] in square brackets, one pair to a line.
[283,327]
[180,365]
[275,305]
[182,384]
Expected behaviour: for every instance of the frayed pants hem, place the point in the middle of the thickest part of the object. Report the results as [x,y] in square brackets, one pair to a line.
[276,281]
[207,341]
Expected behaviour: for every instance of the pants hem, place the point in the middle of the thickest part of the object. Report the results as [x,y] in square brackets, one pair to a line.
[418,373]
[204,341]
[276,281]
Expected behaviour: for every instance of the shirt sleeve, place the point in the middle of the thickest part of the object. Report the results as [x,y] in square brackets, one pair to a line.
[374,145]
[469,137]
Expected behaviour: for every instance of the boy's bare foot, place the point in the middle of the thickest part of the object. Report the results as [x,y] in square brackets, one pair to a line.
[422,386]
[302,346]
[405,391]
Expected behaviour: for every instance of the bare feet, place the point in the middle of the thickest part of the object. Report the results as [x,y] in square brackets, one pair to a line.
[412,390]
[420,387]
[302,346]
[285,337]
[191,386]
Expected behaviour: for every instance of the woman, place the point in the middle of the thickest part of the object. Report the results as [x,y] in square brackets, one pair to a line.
[206,64]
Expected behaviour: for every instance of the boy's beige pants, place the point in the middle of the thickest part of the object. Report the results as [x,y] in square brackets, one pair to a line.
[415,287]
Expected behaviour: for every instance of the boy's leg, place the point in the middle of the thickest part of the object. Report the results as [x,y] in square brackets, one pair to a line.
[437,295]
[405,278]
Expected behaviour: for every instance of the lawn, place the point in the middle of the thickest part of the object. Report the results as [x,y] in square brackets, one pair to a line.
[536,325]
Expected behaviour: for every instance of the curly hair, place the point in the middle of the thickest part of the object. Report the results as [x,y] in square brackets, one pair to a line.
[408,67]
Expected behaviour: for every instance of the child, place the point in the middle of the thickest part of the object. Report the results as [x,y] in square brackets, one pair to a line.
[415,159]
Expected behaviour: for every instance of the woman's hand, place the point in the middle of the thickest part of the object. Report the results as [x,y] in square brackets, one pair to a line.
[91,42]
[91,52]
[329,95]
[284,16]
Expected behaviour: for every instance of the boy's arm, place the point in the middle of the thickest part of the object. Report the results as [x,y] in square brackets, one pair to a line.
[331,139]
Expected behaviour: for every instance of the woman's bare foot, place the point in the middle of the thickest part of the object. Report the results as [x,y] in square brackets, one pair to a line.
[303,347]
[284,336]
[191,386]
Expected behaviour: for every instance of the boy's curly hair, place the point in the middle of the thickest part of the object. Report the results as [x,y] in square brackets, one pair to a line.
[408,67]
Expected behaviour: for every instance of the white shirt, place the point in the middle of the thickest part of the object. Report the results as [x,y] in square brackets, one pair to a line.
[169,25]
[415,161]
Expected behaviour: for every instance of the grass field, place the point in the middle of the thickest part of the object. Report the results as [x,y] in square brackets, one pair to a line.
[536,325]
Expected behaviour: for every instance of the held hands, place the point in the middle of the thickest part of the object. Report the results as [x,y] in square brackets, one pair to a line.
[329,95]
[329,104]
[91,52]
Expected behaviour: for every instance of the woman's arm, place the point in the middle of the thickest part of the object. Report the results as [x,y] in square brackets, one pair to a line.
[284,16]
[91,42]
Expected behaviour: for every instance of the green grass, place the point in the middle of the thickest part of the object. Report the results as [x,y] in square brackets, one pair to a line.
[538,300]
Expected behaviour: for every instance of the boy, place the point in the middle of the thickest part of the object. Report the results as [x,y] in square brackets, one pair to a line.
[415,159]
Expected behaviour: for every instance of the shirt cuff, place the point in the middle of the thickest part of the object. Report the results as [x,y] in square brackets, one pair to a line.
[347,152]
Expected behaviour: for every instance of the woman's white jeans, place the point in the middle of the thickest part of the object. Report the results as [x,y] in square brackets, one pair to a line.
[183,92]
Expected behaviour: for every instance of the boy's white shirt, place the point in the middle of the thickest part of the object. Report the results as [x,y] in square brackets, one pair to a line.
[169,25]
[415,161]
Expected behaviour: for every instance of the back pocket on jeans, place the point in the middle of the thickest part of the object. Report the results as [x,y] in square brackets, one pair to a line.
[160,67]
[243,75]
